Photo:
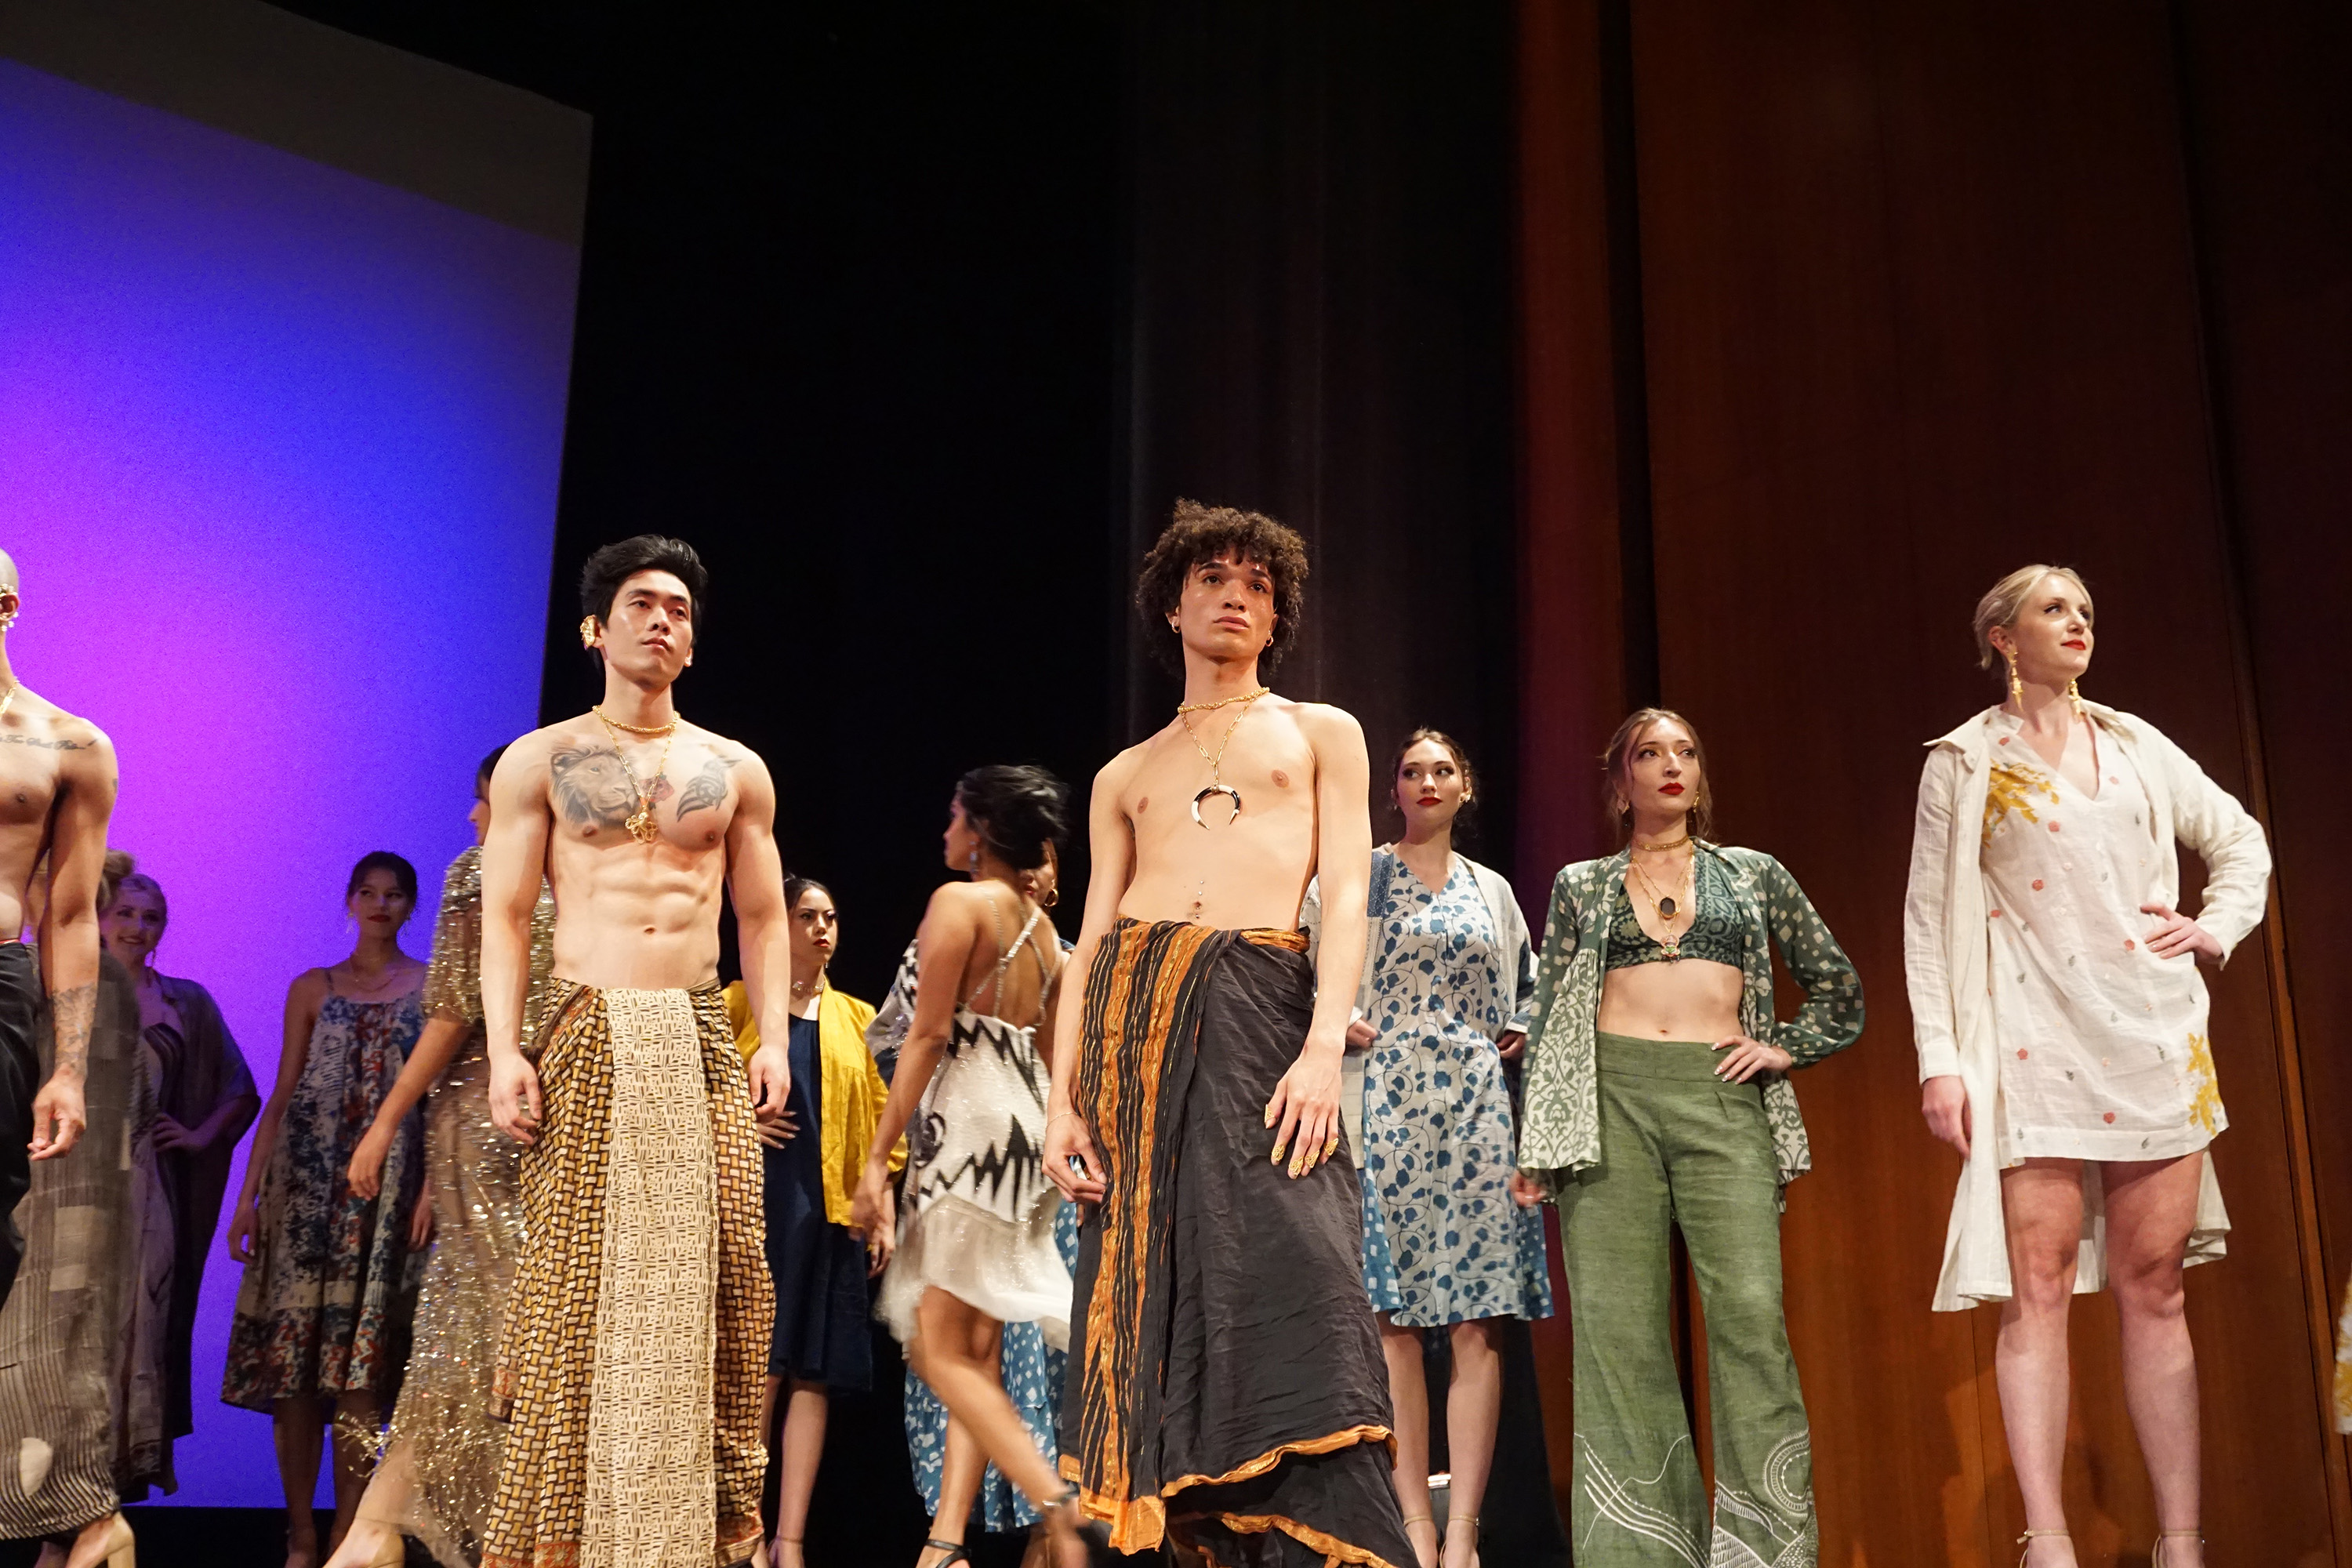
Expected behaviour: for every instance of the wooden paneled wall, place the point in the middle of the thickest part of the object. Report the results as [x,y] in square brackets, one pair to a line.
[1926,293]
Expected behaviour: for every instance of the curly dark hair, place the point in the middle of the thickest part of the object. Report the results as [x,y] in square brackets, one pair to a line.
[1195,536]
[615,563]
[1021,811]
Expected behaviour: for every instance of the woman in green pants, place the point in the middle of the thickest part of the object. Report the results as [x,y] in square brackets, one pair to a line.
[1658,1096]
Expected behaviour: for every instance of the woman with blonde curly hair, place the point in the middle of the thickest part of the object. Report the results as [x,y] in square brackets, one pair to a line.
[2061,1030]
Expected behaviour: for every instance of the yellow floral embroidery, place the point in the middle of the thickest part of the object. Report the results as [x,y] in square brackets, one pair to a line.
[2205,1110]
[2006,789]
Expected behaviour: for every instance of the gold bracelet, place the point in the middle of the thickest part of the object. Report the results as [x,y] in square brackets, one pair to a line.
[1056,1117]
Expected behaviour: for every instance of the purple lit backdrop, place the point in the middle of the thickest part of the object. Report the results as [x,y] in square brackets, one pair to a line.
[278,459]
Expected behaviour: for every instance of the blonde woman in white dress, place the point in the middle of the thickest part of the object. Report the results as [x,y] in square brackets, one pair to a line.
[2063,1050]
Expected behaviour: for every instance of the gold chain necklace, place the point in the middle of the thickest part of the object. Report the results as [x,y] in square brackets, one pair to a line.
[1182,708]
[663,730]
[1669,844]
[1217,785]
[1664,907]
[641,824]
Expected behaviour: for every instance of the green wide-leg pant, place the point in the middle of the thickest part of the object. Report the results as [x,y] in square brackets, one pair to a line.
[1678,1147]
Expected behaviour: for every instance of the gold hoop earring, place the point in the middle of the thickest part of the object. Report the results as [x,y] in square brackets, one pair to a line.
[2016,687]
[587,631]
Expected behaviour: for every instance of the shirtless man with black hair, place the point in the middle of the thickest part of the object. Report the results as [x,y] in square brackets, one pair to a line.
[633,1350]
[56,791]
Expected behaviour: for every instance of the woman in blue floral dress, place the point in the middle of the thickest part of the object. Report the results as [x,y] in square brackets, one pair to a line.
[322,1318]
[1449,1238]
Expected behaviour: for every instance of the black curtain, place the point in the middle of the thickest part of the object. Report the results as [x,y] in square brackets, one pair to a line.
[1318,326]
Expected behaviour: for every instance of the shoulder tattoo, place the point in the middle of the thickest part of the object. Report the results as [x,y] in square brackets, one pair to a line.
[707,788]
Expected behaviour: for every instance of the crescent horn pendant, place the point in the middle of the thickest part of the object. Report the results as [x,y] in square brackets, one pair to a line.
[1208,790]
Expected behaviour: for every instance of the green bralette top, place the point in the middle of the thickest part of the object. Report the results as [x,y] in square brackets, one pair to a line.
[1718,934]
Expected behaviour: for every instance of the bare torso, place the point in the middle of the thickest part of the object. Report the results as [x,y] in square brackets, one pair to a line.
[627,913]
[1249,871]
[1688,999]
[43,749]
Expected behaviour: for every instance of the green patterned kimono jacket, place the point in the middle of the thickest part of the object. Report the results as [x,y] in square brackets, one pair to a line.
[1560,1132]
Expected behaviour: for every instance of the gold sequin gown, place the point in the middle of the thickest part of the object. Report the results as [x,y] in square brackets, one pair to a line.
[444,1442]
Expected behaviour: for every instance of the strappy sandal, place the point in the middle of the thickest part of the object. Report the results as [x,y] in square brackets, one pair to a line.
[1412,1519]
[954,1549]
[1472,1521]
[2157,1556]
[2028,1538]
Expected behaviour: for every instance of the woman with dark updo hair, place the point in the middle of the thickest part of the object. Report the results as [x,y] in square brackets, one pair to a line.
[974,1250]
[322,1318]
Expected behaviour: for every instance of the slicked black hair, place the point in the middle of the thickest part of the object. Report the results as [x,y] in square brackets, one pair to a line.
[489,766]
[600,578]
[385,860]
[1019,809]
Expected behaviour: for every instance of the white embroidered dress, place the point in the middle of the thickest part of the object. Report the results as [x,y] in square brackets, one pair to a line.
[2103,1047]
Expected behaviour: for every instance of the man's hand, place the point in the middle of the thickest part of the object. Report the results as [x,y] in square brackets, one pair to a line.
[1944,1102]
[514,1095]
[1513,1042]
[1524,1191]
[772,1079]
[873,1210]
[1304,1109]
[1071,1162]
[1361,1036]
[58,1116]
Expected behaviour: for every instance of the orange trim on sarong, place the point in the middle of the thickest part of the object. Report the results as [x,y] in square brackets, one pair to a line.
[1334,1549]
[1345,1438]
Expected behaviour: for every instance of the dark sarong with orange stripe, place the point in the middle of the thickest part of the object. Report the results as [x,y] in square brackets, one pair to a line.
[1229,1388]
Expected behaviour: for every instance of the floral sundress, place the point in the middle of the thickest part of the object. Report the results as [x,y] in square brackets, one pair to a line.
[326,1303]
[1443,1240]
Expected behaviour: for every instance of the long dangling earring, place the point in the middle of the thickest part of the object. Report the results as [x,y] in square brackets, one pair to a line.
[2074,695]
[2016,687]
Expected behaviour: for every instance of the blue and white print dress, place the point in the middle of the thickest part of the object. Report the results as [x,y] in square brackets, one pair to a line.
[1444,1242]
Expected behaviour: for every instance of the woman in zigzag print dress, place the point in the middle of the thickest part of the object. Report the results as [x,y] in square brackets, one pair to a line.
[974,1248]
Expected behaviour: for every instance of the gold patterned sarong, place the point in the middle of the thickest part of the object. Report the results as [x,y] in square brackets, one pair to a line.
[636,1336]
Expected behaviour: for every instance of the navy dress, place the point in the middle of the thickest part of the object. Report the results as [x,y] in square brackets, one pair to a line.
[818,1268]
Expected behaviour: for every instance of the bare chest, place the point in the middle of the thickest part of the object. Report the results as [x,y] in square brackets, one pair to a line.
[1263,772]
[28,778]
[642,794]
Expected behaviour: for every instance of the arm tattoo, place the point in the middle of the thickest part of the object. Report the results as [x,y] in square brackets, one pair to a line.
[590,786]
[707,788]
[71,1011]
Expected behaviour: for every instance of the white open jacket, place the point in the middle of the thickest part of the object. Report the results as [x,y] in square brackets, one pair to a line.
[1945,958]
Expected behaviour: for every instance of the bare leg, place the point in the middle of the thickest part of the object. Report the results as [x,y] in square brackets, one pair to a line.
[1473,1404]
[2042,1201]
[803,1449]
[354,1434]
[382,1508]
[954,1351]
[89,1550]
[2151,1208]
[1409,1394]
[297,1426]
[962,1469]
